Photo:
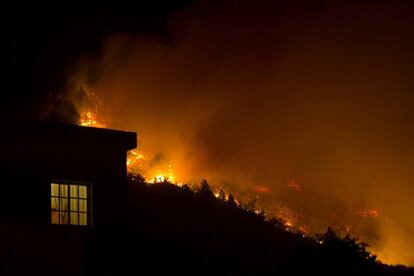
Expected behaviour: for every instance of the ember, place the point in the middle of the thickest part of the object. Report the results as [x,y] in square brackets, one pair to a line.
[294,185]
[367,213]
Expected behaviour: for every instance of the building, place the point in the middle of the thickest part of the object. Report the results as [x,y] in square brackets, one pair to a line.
[58,181]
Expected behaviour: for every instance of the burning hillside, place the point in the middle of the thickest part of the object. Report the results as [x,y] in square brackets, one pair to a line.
[286,208]
[157,168]
[293,114]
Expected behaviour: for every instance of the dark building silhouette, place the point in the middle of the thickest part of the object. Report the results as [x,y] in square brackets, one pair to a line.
[58,182]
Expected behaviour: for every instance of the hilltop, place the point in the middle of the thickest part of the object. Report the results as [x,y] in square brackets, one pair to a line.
[193,232]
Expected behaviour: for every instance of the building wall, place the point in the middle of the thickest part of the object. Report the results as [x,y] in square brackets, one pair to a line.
[31,159]
[28,168]
[36,249]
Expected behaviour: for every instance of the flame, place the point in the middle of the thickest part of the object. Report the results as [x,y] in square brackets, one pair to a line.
[139,162]
[89,119]
[288,223]
[162,177]
[294,185]
[134,161]
[367,213]
[90,109]
[261,189]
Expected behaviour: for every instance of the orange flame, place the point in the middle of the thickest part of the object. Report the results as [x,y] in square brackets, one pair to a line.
[367,213]
[294,185]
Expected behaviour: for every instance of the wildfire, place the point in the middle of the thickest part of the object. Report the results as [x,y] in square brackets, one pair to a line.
[261,189]
[90,119]
[137,162]
[157,168]
[367,213]
[157,171]
[294,185]
[161,177]
[90,109]
[134,161]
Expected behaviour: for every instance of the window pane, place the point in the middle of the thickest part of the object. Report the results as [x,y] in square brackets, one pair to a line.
[82,205]
[74,218]
[63,218]
[69,204]
[54,203]
[83,219]
[55,217]
[63,190]
[74,204]
[63,204]
[73,190]
[82,191]
[54,189]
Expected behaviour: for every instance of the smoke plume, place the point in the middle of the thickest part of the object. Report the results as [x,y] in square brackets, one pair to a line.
[258,94]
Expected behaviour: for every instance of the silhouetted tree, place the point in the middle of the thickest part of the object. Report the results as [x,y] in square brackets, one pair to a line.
[360,248]
[277,222]
[136,178]
[251,205]
[186,188]
[347,248]
[205,189]
[231,201]
[328,237]
[222,195]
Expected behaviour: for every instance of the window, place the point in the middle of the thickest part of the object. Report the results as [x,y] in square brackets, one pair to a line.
[69,203]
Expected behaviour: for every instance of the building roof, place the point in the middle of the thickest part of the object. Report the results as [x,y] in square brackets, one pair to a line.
[67,134]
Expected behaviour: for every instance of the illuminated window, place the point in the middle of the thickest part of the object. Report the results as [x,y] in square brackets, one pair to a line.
[69,203]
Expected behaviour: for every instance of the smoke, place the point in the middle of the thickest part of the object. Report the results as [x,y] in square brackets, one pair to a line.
[256,94]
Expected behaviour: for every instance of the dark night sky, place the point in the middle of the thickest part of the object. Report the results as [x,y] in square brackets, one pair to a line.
[41,43]
[245,91]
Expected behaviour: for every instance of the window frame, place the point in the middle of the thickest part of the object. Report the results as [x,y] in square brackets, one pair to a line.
[88,199]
